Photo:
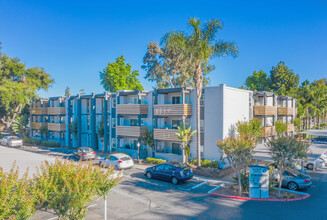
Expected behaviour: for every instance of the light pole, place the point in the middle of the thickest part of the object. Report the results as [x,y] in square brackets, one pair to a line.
[138,151]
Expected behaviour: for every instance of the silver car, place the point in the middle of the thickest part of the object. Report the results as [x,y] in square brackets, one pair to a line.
[85,153]
[295,180]
[11,141]
[118,160]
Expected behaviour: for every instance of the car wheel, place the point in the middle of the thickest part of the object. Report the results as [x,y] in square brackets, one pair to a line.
[116,168]
[174,180]
[292,186]
[310,166]
[149,175]
[7,145]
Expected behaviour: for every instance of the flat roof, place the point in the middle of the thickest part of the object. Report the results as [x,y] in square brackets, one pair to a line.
[261,152]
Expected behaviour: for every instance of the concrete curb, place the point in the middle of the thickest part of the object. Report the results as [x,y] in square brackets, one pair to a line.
[254,199]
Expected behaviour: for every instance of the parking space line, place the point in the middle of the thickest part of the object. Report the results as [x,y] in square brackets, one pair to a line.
[214,189]
[194,187]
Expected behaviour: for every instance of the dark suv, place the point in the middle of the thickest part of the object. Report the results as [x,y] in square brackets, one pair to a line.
[173,172]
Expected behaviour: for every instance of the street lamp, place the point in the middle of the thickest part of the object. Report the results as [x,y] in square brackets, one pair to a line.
[138,151]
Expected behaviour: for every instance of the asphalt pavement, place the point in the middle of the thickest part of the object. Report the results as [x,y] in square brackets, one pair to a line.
[137,197]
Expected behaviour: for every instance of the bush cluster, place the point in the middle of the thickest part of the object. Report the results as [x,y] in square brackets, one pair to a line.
[207,163]
[28,140]
[50,144]
[154,160]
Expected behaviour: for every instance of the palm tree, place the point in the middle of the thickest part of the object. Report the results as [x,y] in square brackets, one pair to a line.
[199,47]
[184,134]
[19,126]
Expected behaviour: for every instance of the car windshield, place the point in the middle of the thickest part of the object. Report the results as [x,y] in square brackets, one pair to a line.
[86,150]
[125,158]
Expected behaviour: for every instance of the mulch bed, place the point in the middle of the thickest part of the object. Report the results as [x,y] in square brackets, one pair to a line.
[212,172]
[233,191]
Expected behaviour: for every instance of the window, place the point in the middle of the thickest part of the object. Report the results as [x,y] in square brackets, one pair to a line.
[88,105]
[114,102]
[201,125]
[176,100]
[113,142]
[176,149]
[134,100]
[134,122]
[88,122]
[169,167]
[176,124]
[113,122]
[160,167]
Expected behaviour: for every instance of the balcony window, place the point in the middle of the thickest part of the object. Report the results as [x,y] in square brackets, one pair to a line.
[176,149]
[114,102]
[176,124]
[176,100]
[113,122]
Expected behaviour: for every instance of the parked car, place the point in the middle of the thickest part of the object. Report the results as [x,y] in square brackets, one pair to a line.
[324,157]
[296,167]
[318,163]
[319,140]
[84,153]
[173,172]
[11,141]
[118,160]
[295,180]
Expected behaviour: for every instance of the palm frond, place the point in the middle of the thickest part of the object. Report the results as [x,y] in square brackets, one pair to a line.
[223,48]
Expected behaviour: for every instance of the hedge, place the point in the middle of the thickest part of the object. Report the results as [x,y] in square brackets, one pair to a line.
[28,140]
[50,144]
[154,160]
[207,163]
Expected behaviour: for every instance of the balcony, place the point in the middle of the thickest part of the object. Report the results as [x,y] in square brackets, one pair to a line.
[56,127]
[57,111]
[268,131]
[130,131]
[39,111]
[37,125]
[290,128]
[285,111]
[166,134]
[132,109]
[172,109]
[264,110]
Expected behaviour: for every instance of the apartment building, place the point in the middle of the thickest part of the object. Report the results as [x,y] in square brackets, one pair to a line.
[117,121]
[50,114]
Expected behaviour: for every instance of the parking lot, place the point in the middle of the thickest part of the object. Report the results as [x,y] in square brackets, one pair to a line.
[137,197]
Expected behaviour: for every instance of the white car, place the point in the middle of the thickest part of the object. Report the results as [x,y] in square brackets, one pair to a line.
[318,163]
[324,157]
[11,141]
[118,160]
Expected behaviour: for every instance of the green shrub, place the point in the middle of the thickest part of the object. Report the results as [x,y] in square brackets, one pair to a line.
[1,136]
[154,160]
[28,140]
[207,163]
[244,181]
[50,144]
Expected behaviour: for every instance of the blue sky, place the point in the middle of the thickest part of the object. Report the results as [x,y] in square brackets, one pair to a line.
[74,40]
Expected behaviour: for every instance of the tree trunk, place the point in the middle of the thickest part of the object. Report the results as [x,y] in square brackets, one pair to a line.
[280,182]
[198,78]
[239,183]
[184,153]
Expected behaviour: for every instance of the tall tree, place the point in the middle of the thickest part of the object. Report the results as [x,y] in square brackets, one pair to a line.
[258,81]
[170,68]
[120,76]
[199,47]
[67,91]
[283,79]
[17,86]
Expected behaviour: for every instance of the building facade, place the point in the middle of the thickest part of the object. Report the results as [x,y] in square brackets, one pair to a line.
[117,121]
